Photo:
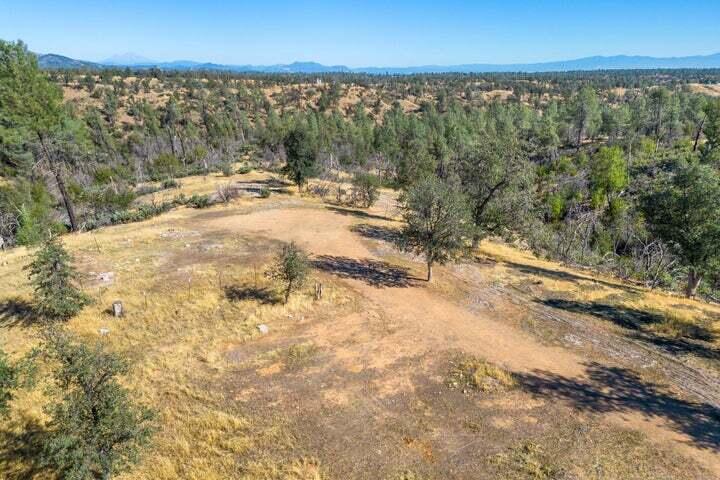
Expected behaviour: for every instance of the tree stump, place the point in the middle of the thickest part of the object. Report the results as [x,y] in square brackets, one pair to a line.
[117,309]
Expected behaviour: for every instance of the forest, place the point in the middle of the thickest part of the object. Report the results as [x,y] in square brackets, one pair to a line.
[617,171]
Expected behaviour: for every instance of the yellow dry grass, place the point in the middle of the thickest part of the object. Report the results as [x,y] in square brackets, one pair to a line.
[586,286]
[469,373]
[712,89]
[180,326]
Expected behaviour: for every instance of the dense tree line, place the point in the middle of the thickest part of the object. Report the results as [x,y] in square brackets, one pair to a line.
[584,167]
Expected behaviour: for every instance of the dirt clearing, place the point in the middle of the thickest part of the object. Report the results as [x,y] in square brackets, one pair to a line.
[363,384]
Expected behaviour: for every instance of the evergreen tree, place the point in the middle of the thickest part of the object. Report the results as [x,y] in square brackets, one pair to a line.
[53,278]
[301,156]
[684,211]
[31,105]
[585,114]
[96,430]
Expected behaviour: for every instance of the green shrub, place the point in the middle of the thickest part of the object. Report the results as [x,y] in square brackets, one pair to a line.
[199,201]
[166,165]
[170,183]
[264,192]
[226,169]
[35,215]
[365,189]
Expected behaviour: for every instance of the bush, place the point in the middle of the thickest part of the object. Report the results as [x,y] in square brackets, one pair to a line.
[365,189]
[265,192]
[199,201]
[28,213]
[225,192]
[165,165]
[244,170]
[226,169]
[170,183]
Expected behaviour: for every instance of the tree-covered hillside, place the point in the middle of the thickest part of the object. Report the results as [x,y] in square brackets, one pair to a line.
[615,170]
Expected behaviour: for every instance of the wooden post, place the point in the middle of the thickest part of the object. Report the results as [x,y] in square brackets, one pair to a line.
[117,308]
[318,290]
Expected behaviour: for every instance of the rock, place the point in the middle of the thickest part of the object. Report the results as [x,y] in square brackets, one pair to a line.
[106,277]
[264,329]
[104,331]
[117,308]
[573,339]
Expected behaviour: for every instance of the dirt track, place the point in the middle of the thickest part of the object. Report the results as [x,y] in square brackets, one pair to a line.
[371,358]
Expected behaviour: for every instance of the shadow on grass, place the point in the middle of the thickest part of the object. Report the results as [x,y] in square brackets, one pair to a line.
[639,321]
[377,232]
[614,389]
[263,295]
[567,276]
[355,213]
[373,272]
[20,450]
[16,312]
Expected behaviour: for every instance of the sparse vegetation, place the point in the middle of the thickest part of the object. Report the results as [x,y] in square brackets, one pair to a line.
[470,374]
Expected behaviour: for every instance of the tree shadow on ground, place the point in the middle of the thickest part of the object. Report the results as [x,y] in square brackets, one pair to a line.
[16,312]
[356,213]
[567,276]
[263,295]
[638,321]
[377,232]
[614,389]
[373,272]
[21,447]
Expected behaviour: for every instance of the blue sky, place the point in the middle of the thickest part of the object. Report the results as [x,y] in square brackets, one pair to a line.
[364,33]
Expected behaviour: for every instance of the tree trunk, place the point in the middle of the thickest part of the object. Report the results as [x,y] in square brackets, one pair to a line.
[694,279]
[697,135]
[55,168]
[429,271]
[287,292]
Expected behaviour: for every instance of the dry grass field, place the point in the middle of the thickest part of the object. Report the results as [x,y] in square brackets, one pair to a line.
[506,366]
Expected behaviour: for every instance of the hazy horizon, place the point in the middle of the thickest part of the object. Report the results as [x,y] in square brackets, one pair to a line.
[373,33]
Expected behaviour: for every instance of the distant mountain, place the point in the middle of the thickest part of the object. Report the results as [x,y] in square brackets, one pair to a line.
[127,59]
[52,61]
[617,62]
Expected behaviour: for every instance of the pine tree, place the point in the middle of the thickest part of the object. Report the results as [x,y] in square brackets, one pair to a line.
[53,278]
[96,430]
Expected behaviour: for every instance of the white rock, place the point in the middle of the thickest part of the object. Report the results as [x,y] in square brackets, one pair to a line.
[263,328]
[104,331]
[106,277]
